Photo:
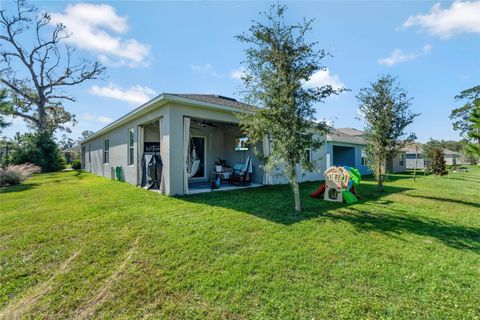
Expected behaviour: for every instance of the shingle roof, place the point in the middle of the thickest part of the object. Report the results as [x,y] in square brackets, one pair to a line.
[351,131]
[339,136]
[420,151]
[446,151]
[216,99]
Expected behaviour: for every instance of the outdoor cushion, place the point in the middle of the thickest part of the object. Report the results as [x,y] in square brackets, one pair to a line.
[238,166]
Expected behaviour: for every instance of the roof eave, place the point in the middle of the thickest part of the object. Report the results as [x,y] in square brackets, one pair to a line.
[146,107]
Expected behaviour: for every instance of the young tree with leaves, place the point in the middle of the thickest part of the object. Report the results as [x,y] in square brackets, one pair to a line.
[437,162]
[428,151]
[37,73]
[460,116]
[473,147]
[279,61]
[385,109]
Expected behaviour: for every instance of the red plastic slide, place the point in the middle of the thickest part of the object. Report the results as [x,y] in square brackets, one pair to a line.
[319,191]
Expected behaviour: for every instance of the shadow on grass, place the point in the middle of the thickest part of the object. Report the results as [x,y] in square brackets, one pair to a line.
[275,204]
[18,188]
[463,177]
[467,203]
[392,177]
[397,222]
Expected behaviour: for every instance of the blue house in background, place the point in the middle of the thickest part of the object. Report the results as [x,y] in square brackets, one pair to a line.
[344,147]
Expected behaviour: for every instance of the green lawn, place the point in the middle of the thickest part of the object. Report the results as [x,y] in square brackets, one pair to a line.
[73,245]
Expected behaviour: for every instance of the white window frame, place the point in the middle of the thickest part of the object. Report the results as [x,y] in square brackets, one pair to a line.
[363,158]
[130,148]
[310,154]
[106,152]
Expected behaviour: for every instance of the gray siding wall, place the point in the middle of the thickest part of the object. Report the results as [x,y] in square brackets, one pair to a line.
[318,158]
[450,159]
[410,162]
[118,148]
[395,164]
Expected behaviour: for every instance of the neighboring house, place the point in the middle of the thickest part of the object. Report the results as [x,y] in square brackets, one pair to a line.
[71,153]
[355,138]
[415,159]
[398,163]
[450,157]
[171,124]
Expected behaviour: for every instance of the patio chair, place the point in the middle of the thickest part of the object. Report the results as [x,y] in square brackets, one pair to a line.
[242,173]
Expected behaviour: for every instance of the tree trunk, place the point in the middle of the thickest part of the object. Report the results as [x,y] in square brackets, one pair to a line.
[42,117]
[296,195]
[292,173]
[380,179]
[415,168]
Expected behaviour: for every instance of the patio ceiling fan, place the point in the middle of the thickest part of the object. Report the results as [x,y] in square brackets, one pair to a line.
[205,124]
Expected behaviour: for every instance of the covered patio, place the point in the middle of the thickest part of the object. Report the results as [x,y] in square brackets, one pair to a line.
[217,149]
[202,187]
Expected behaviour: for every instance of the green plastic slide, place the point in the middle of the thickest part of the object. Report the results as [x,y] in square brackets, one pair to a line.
[349,197]
[355,176]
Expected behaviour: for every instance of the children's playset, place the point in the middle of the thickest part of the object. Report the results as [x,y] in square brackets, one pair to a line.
[339,186]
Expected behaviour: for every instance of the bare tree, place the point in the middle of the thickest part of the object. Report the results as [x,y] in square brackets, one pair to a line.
[38,75]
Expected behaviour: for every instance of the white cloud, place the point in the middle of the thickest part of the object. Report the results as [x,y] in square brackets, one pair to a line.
[100,119]
[238,73]
[322,78]
[104,119]
[206,68]
[135,94]
[398,56]
[97,28]
[461,17]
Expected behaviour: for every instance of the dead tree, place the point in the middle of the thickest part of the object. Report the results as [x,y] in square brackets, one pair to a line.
[37,74]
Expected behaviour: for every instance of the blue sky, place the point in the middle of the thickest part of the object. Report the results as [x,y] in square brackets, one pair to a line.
[189,47]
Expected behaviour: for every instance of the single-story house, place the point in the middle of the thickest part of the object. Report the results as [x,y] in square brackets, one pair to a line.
[171,125]
[355,136]
[415,159]
[71,153]
[451,157]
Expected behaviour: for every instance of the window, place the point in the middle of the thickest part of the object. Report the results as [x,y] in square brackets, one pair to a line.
[131,140]
[364,158]
[89,153]
[308,155]
[106,151]
[402,160]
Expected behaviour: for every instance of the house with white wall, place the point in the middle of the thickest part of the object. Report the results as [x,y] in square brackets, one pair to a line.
[174,124]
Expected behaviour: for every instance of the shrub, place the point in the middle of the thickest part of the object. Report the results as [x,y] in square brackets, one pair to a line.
[437,164]
[76,165]
[16,174]
[39,149]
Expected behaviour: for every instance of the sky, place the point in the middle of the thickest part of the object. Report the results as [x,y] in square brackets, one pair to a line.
[153,47]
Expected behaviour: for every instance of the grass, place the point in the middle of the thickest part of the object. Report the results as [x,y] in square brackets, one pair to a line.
[73,245]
